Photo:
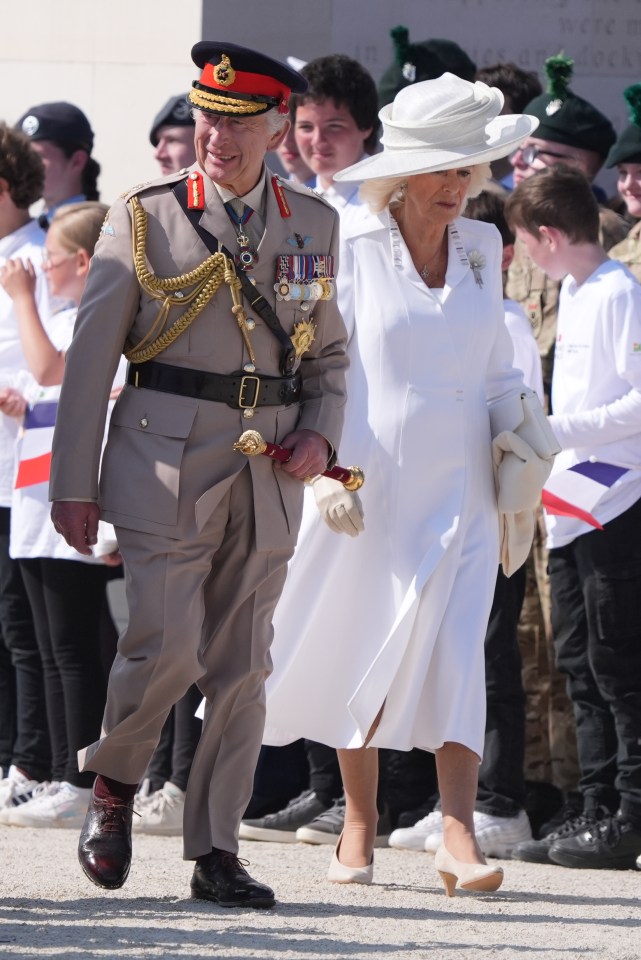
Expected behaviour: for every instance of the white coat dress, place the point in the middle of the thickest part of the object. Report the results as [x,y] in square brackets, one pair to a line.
[397,617]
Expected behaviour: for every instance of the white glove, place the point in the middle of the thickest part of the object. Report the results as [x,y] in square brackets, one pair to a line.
[516,531]
[341,510]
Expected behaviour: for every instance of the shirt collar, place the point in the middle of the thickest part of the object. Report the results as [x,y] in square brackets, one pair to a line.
[78,198]
[254,199]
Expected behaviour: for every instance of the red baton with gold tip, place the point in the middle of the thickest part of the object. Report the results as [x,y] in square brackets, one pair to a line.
[251,444]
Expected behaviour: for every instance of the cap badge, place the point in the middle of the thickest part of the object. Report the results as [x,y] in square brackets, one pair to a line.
[409,72]
[224,73]
[30,125]
[181,110]
[553,107]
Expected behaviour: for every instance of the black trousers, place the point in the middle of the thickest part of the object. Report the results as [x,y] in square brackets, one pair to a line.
[24,733]
[178,741]
[68,601]
[596,623]
[501,790]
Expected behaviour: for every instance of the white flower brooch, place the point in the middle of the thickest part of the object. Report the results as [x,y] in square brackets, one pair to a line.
[477,263]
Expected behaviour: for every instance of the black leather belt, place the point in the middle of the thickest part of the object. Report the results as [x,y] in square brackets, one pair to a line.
[239,390]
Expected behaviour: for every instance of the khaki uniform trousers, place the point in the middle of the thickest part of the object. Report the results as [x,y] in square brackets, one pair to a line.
[200,610]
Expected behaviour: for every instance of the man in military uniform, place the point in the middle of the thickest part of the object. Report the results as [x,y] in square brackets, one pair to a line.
[625,155]
[227,323]
[571,131]
[172,135]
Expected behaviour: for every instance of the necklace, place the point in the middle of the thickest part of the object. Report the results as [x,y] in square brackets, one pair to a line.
[434,276]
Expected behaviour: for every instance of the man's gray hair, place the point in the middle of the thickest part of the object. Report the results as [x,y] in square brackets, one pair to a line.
[275,120]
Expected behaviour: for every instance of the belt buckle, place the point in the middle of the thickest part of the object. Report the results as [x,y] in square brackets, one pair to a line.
[241,392]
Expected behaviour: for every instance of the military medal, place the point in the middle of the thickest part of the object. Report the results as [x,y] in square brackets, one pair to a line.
[303,336]
[246,257]
[304,277]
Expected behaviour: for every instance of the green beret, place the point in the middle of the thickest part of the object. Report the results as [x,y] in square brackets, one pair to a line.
[627,149]
[421,61]
[566,118]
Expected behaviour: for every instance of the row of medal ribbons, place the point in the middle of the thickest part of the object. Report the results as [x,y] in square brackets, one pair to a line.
[305,277]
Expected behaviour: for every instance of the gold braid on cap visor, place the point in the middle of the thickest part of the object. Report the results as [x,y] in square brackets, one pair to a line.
[209,101]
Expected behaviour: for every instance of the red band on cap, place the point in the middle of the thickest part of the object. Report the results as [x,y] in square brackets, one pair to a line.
[256,83]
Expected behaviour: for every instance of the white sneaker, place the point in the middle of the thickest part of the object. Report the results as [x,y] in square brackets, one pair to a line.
[161,812]
[15,789]
[497,836]
[53,805]
[144,795]
[414,838]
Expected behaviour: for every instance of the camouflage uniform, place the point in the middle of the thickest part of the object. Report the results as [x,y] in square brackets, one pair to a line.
[550,751]
[628,251]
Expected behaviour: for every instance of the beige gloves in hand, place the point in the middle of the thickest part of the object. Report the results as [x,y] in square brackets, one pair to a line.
[341,510]
[520,474]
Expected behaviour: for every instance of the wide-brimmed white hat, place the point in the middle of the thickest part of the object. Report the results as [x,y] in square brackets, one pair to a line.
[440,125]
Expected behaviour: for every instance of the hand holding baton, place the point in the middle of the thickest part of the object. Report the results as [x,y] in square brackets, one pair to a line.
[251,444]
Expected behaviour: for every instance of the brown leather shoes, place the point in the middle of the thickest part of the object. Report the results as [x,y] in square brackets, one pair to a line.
[104,849]
[222,878]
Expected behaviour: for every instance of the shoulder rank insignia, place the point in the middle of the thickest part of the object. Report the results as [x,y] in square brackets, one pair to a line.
[195,191]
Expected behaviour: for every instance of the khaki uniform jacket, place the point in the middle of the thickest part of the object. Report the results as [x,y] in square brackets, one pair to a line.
[169,458]
[629,251]
[539,295]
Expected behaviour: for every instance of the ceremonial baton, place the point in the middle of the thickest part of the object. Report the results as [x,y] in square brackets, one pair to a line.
[251,443]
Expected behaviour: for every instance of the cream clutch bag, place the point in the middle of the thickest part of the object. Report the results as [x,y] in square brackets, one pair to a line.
[535,429]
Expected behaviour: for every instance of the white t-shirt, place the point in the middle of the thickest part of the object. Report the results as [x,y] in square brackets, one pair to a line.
[596,388]
[526,353]
[32,533]
[24,244]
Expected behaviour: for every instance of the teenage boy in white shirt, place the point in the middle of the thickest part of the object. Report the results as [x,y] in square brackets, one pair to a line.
[595,571]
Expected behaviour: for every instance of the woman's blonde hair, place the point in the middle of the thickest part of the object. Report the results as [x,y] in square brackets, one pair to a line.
[77,225]
[382,191]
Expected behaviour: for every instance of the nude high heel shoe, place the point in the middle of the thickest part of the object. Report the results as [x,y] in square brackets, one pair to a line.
[469,876]
[339,873]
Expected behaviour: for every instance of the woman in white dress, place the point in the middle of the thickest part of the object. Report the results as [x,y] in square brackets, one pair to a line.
[379,640]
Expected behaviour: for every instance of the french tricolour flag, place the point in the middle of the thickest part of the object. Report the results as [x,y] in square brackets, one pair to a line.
[34,463]
[575,492]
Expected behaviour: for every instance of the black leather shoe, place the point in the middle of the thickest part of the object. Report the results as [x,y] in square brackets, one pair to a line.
[611,844]
[538,851]
[104,849]
[221,877]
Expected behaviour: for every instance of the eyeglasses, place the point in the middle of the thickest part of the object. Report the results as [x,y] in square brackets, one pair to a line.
[48,261]
[530,153]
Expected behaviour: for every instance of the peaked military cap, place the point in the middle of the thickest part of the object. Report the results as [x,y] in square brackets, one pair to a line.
[242,82]
[566,118]
[427,60]
[627,148]
[59,121]
[175,113]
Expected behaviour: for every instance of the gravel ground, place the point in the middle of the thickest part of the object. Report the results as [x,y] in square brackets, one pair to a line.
[49,909]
